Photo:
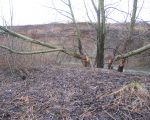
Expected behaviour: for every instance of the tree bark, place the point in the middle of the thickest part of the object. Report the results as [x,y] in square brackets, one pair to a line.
[100,34]
[132,53]
[129,40]
[78,36]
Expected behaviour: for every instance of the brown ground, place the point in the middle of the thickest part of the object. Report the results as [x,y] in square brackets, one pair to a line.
[69,93]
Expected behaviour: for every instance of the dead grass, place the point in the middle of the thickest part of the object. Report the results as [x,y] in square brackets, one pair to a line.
[69,93]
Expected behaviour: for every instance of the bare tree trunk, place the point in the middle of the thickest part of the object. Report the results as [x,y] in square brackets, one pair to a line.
[48,45]
[133,19]
[84,58]
[56,48]
[132,25]
[100,34]
[77,29]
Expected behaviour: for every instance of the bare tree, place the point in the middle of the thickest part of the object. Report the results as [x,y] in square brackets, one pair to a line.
[54,48]
[100,30]
[70,15]
[132,25]
[77,29]
[100,27]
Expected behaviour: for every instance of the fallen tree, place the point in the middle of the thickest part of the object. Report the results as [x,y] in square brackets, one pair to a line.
[28,39]
[132,53]
[54,48]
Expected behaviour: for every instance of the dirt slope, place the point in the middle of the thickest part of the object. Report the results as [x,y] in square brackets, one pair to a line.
[54,93]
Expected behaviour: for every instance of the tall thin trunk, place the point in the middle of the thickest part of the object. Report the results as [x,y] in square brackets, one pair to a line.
[133,19]
[100,34]
[77,28]
[131,27]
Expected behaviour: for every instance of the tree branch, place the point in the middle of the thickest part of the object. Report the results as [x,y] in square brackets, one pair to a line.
[28,39]
[62,12]
[132,53]
[95,8]
[78,36]
[29,53]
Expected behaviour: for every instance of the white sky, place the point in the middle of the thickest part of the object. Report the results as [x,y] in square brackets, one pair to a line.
[34,11]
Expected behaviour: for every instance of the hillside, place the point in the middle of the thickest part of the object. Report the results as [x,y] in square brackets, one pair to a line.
[67,93]
[64,35]
[55,86]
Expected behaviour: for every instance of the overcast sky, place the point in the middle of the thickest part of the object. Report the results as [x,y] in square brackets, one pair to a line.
[37,11]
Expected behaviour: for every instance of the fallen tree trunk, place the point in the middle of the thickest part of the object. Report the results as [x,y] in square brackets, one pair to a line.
[28,39]
[29,53]
[132,53]
[54,48]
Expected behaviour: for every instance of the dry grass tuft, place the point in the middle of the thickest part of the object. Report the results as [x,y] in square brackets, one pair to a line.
[132,97]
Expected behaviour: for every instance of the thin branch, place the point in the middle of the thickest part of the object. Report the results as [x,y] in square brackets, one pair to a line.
[112,4]
[61,12]
[109,114]
[140,8]
[127,14]
[29,53]
[95,8]
[64,2]
[77,28]
[11,12]
[88,14]
[87,11]
[123,12]
[113,19]
[117,10]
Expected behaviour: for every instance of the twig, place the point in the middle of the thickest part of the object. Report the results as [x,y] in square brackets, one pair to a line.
[109,114]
